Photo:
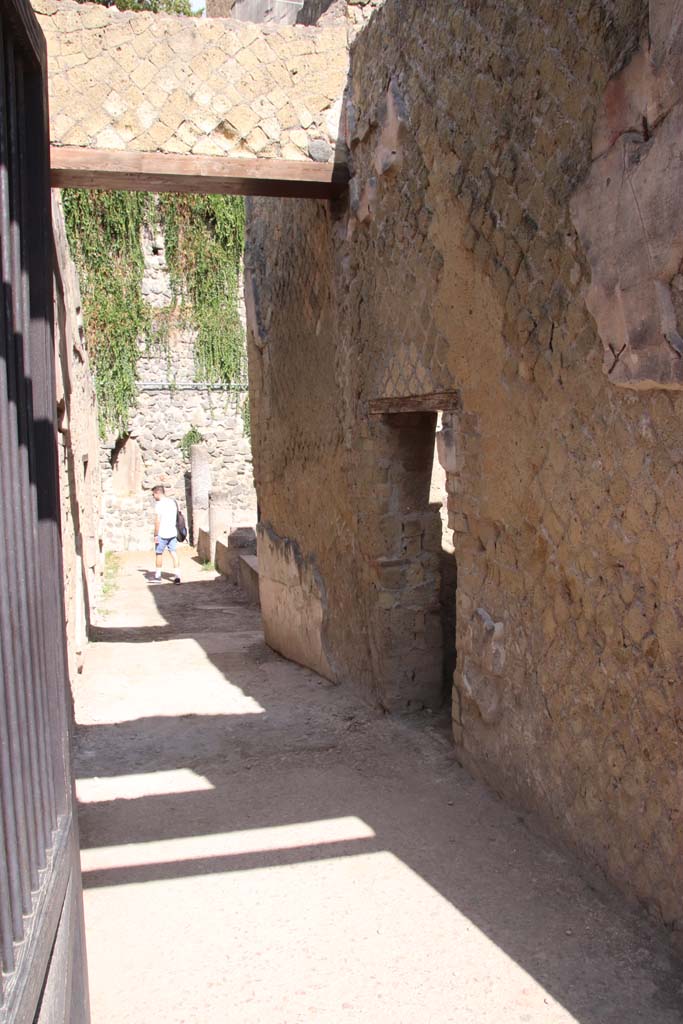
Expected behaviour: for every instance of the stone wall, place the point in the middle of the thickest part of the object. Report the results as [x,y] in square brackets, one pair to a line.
[280,12]
[456,273]
[313,10]
[356,13]
[627,215]
[151,454]
[294,602]
[219,8]
[170,402]
[78,441]
[323,12]
[153,82]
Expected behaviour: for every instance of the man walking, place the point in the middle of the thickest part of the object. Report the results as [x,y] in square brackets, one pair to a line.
[165,530]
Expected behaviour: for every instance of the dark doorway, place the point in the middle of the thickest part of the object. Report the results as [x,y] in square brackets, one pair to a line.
[448,571]
[415,631]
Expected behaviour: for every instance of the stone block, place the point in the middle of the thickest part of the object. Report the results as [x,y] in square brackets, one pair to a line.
[293,602]
[248,577]
[203,545]
[242,538]
[320,150]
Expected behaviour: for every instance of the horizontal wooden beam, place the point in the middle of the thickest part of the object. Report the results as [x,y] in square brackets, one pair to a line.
[76,167]
[435,401]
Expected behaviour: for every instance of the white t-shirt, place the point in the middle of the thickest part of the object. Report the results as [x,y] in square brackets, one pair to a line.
[166,510]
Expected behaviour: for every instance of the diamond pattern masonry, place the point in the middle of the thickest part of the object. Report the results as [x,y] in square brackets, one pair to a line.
[213,86]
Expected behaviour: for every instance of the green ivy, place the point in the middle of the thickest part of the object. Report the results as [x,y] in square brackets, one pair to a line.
[152,6]
[204,238]
[104,229]
[191,437]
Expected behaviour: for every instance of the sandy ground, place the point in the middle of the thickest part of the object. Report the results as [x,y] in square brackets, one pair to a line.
[258,846]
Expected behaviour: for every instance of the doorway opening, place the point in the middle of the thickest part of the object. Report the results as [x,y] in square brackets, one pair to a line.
[448,571]
[417,573]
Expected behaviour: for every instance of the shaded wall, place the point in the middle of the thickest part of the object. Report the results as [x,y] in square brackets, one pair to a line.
[79,448]
[456,267]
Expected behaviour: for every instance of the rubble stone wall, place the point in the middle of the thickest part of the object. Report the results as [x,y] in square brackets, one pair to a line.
[151,454]
[78,442]
[456,268]
[212,86]
[170,402]
[323,12]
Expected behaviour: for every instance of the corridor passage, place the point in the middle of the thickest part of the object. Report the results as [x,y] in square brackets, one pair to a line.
[260,848]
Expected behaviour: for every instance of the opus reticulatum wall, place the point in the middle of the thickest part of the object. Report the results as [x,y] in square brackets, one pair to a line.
[456,272]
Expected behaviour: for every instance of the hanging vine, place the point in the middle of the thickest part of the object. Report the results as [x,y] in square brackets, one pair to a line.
[204,238]
[151,6]
[246,416]
[192,436]
[104,232]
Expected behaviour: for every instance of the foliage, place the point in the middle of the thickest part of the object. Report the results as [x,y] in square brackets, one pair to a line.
[104,229]
[246,416]
[204,238]
[152,6]
[191,437]
[112,566]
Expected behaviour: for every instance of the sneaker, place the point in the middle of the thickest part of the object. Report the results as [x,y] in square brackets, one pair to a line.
[177,579]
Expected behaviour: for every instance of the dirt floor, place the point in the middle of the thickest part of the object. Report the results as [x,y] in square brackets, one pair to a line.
[258,846]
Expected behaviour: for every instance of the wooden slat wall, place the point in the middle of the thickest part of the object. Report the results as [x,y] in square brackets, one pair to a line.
[37,838]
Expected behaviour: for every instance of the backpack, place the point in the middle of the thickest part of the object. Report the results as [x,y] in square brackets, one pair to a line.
[180,524]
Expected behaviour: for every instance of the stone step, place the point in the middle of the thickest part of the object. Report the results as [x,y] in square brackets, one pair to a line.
[248,577]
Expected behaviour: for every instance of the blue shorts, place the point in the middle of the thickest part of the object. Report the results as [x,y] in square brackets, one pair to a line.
[166,542]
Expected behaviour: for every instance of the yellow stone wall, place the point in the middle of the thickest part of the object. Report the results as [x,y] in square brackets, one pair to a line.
[80,483]
[456,265]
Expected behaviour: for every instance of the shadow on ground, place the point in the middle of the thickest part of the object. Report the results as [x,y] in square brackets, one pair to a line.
[306,751]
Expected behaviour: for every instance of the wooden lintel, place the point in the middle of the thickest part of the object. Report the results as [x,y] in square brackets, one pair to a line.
[76,167]
[435,401]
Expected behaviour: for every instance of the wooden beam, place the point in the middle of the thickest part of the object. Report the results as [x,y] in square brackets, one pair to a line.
[435,401]
[75,167]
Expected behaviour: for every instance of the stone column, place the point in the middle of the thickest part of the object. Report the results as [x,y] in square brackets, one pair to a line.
[220,513]
[200,481]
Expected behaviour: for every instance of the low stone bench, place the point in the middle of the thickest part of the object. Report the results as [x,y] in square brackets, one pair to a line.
[248,577]
[203,546]
[241,541]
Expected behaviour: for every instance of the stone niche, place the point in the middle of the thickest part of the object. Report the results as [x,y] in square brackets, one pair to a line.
[127,468]
[404,538]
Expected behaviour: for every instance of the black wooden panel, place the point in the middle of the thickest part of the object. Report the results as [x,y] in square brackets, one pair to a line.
[19,802]
[39,873]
